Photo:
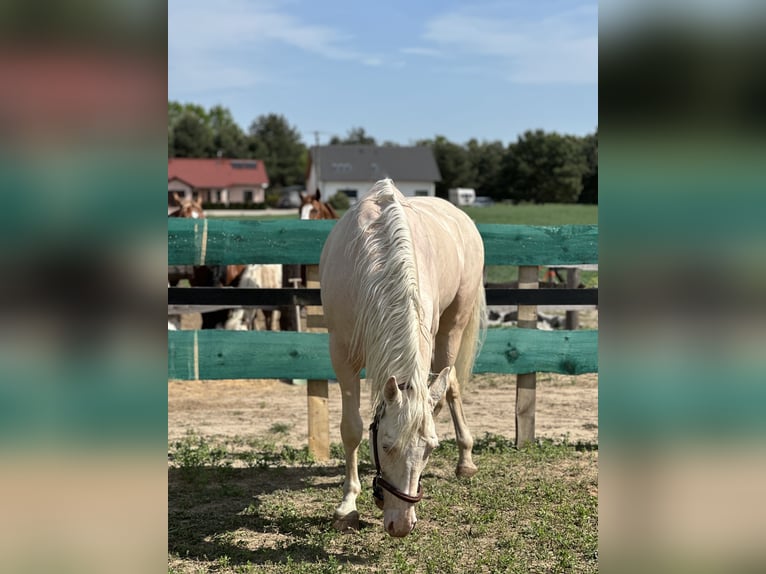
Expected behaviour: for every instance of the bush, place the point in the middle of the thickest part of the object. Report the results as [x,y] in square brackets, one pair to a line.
[339,201]
[272,198]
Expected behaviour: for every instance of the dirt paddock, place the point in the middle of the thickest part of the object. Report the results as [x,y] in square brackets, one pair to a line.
[567,406]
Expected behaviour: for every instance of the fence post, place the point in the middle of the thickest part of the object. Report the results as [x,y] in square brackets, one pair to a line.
[573,281]
[526,383]
[317,390]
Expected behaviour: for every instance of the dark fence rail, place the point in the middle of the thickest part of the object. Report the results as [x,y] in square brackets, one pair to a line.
[236,297]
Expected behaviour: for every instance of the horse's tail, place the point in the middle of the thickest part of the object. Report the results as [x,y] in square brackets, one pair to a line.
[473,338]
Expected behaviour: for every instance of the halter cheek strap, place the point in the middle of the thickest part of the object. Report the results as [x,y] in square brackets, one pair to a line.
[379,483]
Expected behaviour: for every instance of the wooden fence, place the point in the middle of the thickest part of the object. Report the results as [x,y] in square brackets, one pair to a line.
[258,354]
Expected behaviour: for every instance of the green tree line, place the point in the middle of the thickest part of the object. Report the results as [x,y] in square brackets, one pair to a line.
[540,167]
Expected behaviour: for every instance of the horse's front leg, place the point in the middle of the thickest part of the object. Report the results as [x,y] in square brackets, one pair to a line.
[346,515]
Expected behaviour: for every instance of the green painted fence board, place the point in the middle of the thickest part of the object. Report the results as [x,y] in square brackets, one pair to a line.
[268,355]
[224,241]
[232,242]
[529,350]
[539,245]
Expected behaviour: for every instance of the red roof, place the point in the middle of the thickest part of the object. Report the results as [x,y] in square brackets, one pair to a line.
[217,173]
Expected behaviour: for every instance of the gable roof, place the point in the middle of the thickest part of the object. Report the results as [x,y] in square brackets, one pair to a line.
[371,163]
[217,172]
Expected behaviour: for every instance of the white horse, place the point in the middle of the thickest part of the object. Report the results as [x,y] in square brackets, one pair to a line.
[261,276]
[402,292]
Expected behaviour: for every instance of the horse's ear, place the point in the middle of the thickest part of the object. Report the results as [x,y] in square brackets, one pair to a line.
[391,391]
[176,198]
[317,195]
[439,386]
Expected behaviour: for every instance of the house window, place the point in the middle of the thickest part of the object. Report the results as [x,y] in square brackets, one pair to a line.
[195,195]
[218,196]
[248,196]
[351,193]
[421,193]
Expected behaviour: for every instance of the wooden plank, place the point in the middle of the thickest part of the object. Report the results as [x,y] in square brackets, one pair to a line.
[526,383]
[249,355]
[225,241]
[539,245]
[516,351]
[277,355]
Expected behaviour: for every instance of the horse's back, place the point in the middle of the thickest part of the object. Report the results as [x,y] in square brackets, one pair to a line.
[448,247]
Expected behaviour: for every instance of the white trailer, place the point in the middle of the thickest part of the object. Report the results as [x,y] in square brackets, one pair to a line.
[462,196]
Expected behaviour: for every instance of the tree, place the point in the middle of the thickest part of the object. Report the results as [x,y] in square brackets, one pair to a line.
[228,137]
[590,177]
[189,131]
[453,163]
[355,136]
[279,146]
[486,160]
[191,137]
[545,168]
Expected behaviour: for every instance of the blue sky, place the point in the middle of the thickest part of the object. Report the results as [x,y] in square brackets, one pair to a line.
[402,70]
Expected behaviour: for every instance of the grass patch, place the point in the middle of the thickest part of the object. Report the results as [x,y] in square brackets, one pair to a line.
[522,214]
[527,510]
[532,214]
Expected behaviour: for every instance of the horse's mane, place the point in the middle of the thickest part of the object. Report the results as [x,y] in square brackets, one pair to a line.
[387,329]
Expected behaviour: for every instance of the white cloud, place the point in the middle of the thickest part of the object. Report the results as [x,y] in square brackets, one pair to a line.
[556,49]
[222,43]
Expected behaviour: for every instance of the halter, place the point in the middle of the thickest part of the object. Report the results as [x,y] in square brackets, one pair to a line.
[379,483]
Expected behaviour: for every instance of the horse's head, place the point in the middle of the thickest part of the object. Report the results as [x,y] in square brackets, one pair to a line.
[313,208]
[400,460]
[190,208]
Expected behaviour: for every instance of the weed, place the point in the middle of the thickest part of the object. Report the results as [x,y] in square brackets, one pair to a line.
[280,428]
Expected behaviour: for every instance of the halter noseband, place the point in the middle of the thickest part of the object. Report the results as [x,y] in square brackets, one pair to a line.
[379,483]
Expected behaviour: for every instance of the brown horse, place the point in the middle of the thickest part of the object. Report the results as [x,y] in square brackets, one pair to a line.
[313,208]
[190,208]
[205,275]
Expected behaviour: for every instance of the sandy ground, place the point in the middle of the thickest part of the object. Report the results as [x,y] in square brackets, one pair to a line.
[567,406]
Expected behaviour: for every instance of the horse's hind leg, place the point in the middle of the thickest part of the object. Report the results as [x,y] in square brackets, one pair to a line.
[346,515]
[444,355]
[465,465]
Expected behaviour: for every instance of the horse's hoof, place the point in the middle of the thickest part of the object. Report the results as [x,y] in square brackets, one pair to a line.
[347,523]
[465,470]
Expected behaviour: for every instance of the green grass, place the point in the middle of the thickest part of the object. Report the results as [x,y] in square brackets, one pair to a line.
[532,214]
[528,510]
[522,214]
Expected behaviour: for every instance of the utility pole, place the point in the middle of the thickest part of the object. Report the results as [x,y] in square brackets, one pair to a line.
[316,162]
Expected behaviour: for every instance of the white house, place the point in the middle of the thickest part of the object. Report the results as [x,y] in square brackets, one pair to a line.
[218,180]
[353,169]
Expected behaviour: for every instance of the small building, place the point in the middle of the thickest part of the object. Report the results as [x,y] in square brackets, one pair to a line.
[218,180]
[353,169]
